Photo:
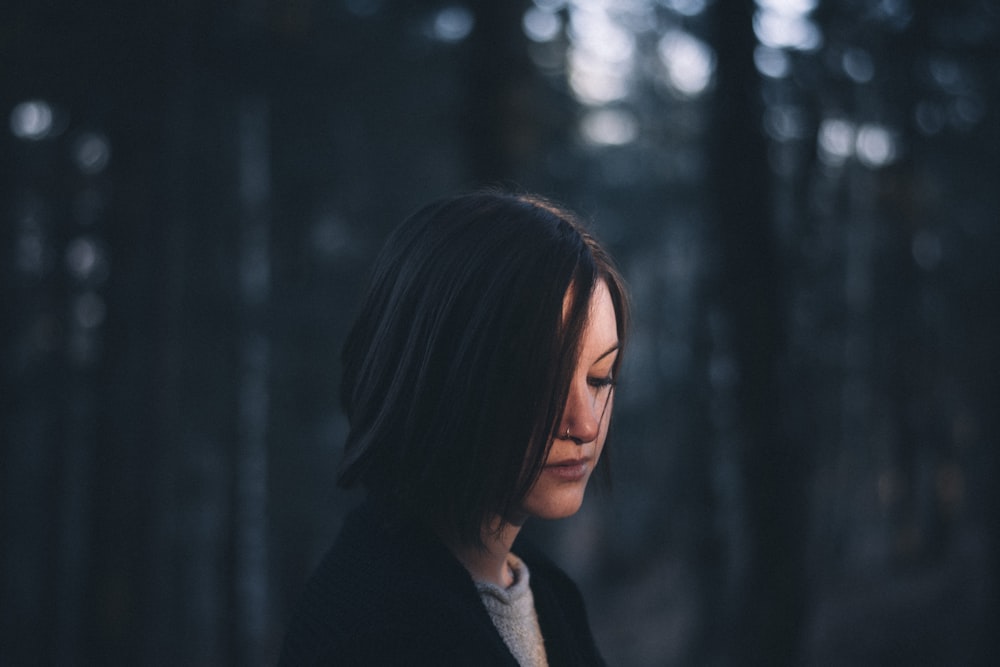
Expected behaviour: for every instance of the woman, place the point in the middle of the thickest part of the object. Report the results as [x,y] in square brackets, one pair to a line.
[478,382]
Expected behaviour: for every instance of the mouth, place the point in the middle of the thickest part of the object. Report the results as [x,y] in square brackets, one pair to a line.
[570,470]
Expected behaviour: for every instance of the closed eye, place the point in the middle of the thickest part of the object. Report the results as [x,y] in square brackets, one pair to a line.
[601,382]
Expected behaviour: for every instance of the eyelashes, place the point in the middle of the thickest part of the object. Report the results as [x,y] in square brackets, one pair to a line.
[601,382]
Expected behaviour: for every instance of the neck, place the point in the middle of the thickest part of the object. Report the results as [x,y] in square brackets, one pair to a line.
[489,562]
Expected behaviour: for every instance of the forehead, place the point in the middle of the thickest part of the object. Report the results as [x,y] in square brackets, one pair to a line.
[601,330]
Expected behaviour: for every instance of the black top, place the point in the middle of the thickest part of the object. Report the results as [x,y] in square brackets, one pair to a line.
[390,593]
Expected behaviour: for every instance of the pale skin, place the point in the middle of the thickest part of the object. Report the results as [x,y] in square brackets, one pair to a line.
[560,488]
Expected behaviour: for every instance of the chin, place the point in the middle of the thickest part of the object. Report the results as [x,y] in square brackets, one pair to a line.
[563,513]
[558,505]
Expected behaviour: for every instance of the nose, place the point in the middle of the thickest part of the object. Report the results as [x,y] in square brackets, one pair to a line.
[582,415]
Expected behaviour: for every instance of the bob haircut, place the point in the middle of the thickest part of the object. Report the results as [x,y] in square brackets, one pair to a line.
[457,369]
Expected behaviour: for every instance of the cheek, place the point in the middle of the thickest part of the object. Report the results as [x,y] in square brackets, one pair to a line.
[608,409]
[605,422]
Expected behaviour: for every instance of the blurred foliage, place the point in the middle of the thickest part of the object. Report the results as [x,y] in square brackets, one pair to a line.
[802,196]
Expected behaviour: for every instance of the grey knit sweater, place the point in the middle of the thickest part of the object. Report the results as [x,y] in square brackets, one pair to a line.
[513,612]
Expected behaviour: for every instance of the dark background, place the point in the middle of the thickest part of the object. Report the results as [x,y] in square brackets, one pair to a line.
[803,196]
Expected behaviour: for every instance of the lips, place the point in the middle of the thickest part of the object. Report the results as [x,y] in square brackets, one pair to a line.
[570,470]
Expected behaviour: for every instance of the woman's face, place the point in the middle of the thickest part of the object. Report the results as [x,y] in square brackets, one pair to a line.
[558,491]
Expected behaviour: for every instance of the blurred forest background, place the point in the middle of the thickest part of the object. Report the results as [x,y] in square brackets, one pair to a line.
[804,196]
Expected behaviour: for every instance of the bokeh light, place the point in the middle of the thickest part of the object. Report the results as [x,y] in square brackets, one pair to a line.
[86,260]
[876,146]
[541,25]
[836,141]
[858,65]
[689,62]
[453,24]
[601,55]
[32,120]
[786,24]
[948,75]
[594,30]
[771,62]
[595,81]
[685,7]
[550,5]
[92,152]
[609,127]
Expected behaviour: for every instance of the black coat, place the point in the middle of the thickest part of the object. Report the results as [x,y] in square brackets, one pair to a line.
[390,593]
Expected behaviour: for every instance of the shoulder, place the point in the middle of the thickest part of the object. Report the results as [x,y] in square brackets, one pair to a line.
[388,593]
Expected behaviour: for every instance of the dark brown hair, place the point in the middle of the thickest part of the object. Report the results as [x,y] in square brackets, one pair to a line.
[457,369]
